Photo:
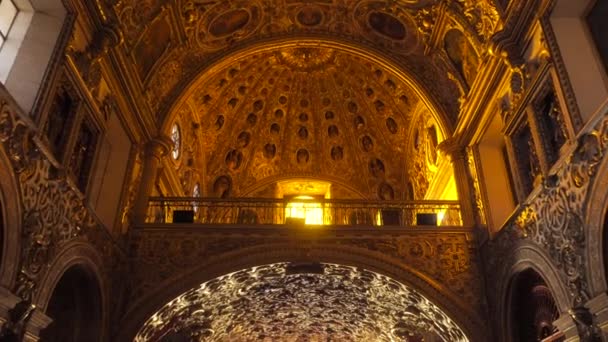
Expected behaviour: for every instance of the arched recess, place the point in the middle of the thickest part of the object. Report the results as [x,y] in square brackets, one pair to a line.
[526,258]
[532,309]
[596,225]
[74,295]
[10,214]
[446,125]
[145,306]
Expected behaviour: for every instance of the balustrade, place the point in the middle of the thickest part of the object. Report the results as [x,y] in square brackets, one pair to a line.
[335,212]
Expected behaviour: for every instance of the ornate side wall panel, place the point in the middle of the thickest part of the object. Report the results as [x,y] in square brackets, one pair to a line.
[54,213]
[553,221]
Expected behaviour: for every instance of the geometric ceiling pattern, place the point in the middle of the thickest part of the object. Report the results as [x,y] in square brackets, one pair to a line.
[301,302]
[303,112]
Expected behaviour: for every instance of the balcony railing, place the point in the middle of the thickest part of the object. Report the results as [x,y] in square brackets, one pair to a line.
[336,212]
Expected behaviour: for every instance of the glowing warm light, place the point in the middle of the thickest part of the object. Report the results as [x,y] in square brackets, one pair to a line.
[440,216]
[311,212]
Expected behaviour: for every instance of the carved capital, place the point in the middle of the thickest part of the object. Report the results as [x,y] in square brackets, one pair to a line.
[158,147]
[452,149]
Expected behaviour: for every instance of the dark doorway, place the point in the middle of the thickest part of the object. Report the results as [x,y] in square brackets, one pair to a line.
[75,307]
[533,309]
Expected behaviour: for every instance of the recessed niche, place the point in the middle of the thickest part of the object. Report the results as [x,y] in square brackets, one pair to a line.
[391,125]
[376,167]
[352,107]
[252,119]
[379,105]
[367,144]
[386,192]
[302,156]
[219,122]
[387,25]
[233,102]
[332,131]
[359,122]
[244,139]
[270,150]
[275,128]
[303,132]
[222,186]
[233,159]
[337,153]
[258,105]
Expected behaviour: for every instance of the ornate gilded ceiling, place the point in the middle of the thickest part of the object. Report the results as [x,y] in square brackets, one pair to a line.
[172,43]
[301,112]
[287,302]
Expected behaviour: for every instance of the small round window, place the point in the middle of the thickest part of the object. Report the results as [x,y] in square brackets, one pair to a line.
[177,141]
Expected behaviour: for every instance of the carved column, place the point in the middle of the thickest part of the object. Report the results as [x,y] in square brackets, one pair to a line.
[156,149]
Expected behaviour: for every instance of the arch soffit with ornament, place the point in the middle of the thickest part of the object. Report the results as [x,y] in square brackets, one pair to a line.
[459,311]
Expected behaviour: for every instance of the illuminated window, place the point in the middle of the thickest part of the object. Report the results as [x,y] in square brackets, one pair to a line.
[8,13]
[177,141]
[311,212]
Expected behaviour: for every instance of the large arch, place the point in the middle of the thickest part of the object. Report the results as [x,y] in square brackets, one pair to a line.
[446,125]
[595,214]
[11,214]
[145,306]
[77,267]
[527,257]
